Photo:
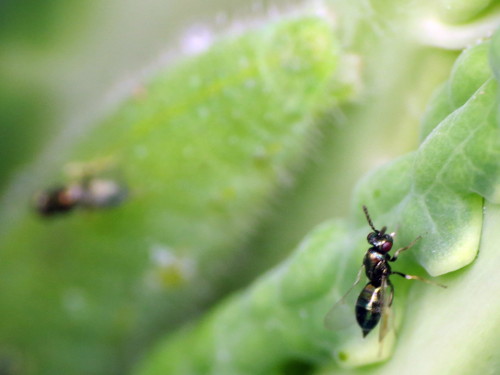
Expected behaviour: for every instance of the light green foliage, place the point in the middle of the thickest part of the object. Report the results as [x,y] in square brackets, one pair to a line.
[260,329]
[495,55]
[457,162]
[230,155]
[202,149]
[455,168]
[457,11]
[469,73]
[436,192]
[454,330]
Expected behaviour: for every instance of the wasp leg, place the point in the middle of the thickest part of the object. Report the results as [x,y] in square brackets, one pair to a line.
[413,277]
[399,251]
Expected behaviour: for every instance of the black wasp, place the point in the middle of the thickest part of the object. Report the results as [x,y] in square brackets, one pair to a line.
[375,299]
[89,193]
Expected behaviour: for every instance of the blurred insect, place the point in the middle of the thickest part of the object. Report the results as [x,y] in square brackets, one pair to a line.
[375,300]
[88,192]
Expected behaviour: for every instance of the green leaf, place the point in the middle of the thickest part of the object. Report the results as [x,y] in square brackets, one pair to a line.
[457,11]
[455,167]
[258,330]
[436,192]
[207,146]
[469,73]
[455,330]
[202,149]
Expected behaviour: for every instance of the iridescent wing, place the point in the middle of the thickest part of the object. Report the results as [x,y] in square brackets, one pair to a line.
[342,315]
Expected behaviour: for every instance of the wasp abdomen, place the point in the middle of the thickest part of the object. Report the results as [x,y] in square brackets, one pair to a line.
[369,308]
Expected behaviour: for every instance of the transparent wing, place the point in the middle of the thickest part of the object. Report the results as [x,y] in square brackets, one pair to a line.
[342,314]
[387,293]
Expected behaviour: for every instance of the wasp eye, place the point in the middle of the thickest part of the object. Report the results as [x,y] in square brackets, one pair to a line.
[371,238]
[386,246]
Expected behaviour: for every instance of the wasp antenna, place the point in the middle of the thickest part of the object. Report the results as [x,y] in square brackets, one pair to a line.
[368,218]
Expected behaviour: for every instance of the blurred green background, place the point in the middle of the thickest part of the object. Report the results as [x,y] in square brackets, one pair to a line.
[224,180]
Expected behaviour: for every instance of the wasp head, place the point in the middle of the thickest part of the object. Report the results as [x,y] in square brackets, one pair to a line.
[378,238]
[381,241]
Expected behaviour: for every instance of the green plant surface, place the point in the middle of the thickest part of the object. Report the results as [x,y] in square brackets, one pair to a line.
[201,148]
[436,192]
[458,11]
[460,322]
[228,158]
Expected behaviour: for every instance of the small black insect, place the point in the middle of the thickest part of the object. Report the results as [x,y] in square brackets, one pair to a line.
[375,299]
[89,193]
